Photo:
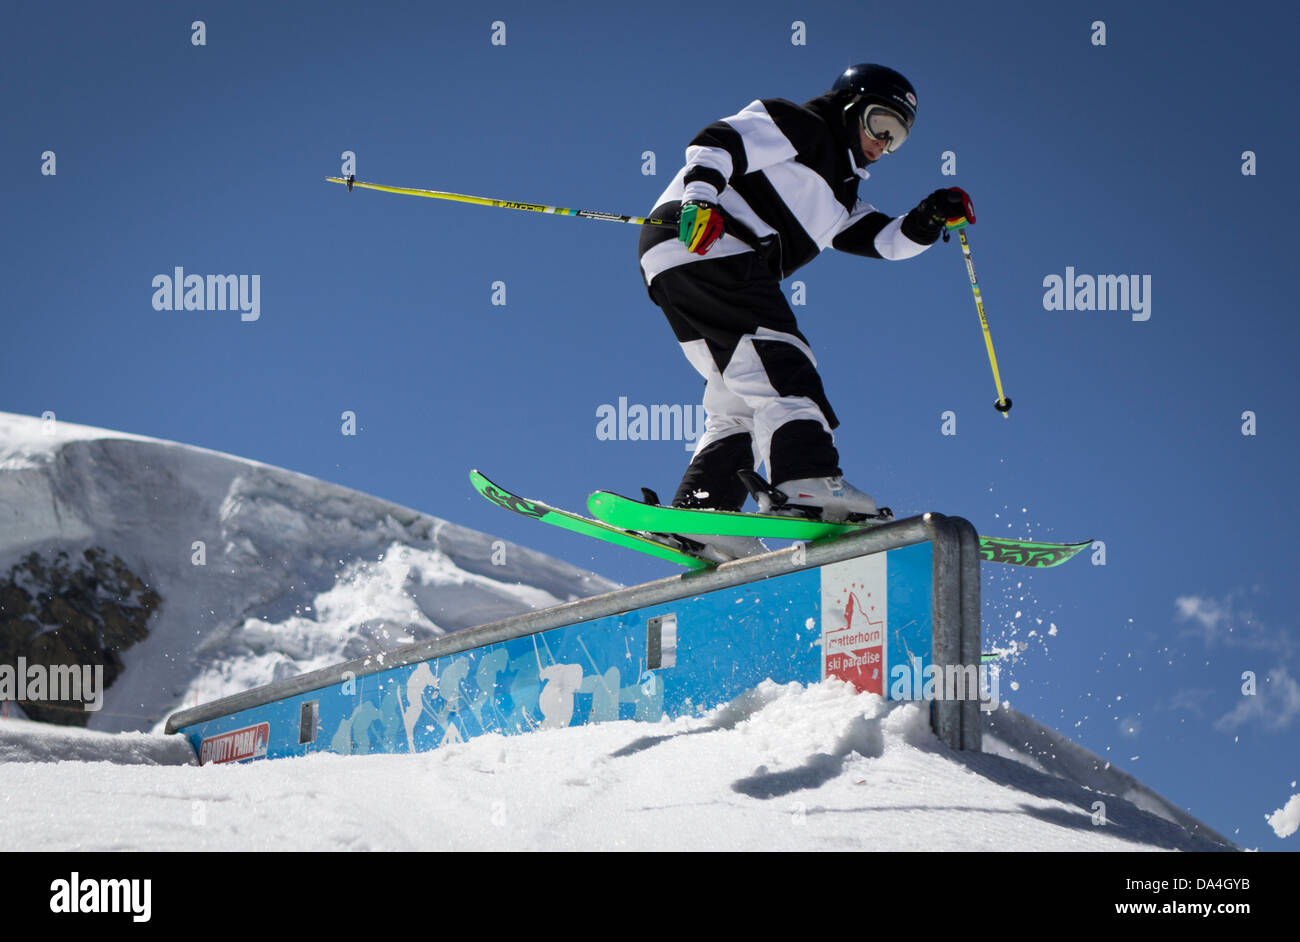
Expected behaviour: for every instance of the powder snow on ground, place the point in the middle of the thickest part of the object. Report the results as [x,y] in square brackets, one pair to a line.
[781,767]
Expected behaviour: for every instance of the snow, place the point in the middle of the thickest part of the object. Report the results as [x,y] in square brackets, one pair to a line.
[264,573]
[787,767]
[22,740]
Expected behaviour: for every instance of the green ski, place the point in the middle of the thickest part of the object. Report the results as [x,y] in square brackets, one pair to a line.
[579,524]
[634,515]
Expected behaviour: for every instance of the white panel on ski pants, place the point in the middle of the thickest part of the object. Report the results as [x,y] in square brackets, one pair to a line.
[741,398]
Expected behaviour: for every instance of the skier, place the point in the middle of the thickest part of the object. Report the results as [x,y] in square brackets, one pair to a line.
[762,193]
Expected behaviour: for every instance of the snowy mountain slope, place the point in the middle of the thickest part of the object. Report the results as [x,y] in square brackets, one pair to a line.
[778,768]
[1010,734]
[261,573]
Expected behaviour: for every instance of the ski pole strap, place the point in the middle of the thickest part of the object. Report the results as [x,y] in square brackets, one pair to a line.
[352,181]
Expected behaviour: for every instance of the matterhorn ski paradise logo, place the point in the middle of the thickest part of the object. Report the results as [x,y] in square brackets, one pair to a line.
[854,619]
[856,642]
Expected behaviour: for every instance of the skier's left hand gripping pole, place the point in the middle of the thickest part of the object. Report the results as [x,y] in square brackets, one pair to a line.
[352,181]
[958,224]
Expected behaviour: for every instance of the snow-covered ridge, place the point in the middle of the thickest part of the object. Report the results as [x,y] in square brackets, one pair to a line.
[780,767]
[1013,735]
[263,573]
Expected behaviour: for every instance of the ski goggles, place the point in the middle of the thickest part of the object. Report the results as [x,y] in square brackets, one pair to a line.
[884,124]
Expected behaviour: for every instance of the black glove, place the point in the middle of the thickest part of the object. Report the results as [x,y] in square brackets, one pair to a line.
[924,224]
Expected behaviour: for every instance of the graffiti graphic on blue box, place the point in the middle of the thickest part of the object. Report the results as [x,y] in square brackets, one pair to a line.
[851,620]
[490,691]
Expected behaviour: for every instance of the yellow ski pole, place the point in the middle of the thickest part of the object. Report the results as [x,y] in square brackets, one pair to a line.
[1003,404]
[352,181]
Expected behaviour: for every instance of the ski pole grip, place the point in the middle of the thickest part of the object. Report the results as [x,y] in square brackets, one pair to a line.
[967,205]
[968,212]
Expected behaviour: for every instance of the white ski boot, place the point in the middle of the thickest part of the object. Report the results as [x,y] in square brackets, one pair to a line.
[831,498]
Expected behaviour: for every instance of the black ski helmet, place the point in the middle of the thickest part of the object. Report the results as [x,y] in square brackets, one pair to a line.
[865,83]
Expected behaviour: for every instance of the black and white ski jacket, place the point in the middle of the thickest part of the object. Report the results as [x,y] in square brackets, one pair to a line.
[787,181]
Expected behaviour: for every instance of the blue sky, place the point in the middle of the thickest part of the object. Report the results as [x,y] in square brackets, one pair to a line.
[1117,159]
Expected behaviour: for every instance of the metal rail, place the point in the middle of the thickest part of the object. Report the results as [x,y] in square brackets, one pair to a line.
[956,553]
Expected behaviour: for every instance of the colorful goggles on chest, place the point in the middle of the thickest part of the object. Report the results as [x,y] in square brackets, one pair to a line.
[884,124]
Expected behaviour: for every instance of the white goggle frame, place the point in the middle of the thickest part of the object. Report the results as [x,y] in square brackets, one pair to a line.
[884,124]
